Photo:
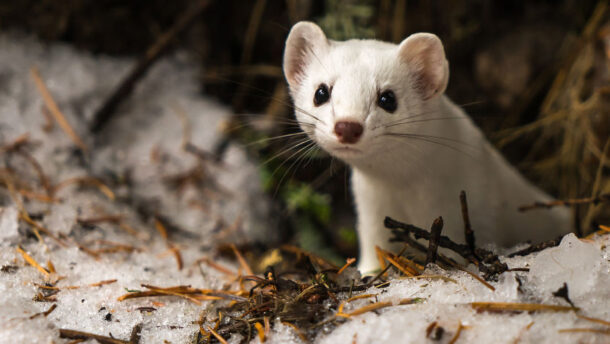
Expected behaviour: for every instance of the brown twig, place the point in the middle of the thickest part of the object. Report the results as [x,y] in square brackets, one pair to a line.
[153,53]
[568,202]
[489,262]
[519,307]
[536,247]
[45,313]
[134,338]
[435,237]
[468,232]
[72,334]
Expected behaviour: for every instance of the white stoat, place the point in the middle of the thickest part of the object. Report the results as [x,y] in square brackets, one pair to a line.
[380,108]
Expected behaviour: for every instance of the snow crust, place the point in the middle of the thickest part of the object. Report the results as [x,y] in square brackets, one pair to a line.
[148,122]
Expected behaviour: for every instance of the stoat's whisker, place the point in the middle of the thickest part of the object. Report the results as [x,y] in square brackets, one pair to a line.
[254,117]
[426,139]
[267,139]
[419,121]
[282,152]
[466,144]
[409,117]
[310,153]
[298,152]
[302,153]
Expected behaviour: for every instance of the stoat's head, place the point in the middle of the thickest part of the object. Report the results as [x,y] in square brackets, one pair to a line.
[353,97]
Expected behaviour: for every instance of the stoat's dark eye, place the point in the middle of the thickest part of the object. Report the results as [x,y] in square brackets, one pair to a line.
[321,96]
[387,101]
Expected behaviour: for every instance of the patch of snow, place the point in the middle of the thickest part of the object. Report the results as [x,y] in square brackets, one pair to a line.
[9,223]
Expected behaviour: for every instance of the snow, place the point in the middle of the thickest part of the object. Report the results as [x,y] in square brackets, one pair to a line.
[143,144]
[8,223]
[584,266]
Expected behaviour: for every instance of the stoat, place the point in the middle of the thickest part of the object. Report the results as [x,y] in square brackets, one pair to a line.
[380,108]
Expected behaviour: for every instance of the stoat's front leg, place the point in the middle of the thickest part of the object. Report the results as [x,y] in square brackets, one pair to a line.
[373,204]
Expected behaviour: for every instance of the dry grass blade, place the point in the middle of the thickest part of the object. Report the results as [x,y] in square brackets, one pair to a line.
[376,306]
[86,181]
[458,332]
[33,262]
[178,256]
[260,331]
[37,227]
[595,320]
[323,263]
[16,144]
[349,262]
[297,330]
[602,230]
[54,109]
[403,269]
[192,294]
[360,297]
[242,261]
[395,260]
[45,313]
[216,266]
[519,307]
[217,336]
[72,334]
[478,278]
[440,277]
[588,330]
[101,283]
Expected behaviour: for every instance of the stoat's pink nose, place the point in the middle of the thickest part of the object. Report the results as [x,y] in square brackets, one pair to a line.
[348,132]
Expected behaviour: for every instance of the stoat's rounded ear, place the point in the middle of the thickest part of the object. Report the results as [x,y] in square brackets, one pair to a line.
[424,56]
[304,40]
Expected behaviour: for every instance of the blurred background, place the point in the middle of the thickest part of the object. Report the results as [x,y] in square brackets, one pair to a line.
[533,74]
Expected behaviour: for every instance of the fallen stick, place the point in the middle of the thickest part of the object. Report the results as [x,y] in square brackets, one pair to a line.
[154,52]
[536,247]
[489,262]
[435,236]
[468,232]
[72,334]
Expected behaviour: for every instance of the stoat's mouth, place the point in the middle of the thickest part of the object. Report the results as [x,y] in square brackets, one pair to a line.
[345,151]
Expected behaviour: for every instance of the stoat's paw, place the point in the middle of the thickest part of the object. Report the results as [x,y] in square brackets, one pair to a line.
[369,268]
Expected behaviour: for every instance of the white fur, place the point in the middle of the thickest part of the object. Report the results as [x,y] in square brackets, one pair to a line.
[410,179]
